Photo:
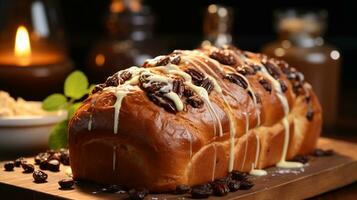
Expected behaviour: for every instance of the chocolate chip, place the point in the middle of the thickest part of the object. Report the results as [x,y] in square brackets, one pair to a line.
[201,191]
[235,78]
[246,185]
[44,164]
[64,158]
[138,194]
[233,185]
[40,158]
[39,176]
[188,92]
[321,153]
[224,57]
[112,189]
[162,101]
[195,101]
[272,70]
[220,188]
[28,168]
[19,161]
[246,71]
[283,86]
[301,158]
[266,84]
[310,113]
[182,189]
[98,88]
[9,166]
[207,84]
[66,183]
[53,165]
[237,175]
[178,86]
[197,76]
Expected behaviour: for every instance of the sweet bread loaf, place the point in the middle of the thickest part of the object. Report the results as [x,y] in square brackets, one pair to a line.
[191,117]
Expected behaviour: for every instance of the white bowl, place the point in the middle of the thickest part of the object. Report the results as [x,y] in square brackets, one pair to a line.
[27,132]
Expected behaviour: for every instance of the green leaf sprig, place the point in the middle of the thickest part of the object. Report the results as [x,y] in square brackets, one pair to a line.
[76,86]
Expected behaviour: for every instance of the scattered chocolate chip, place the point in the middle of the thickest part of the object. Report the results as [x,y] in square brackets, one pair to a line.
[44,165]
[66,183]
[9,166]
[39,176]
[53,165]
[322,153]
[175,59]
[283,86]
[207,84]
[162,101]
[138,194]
[246,71]
[64,158]
[239,176]
[201,191]
[19,161]
[301,158]
[246,185]
[224,57]
[182,189]
[235,78]
[112,189]
[197,76]
[163,61]
[233,185]
[98,87]
[112,80]
[28,168]
[195,101]
[178,86]
[188,92]
[272,69]
[220,188]
[310,113]
[266,84]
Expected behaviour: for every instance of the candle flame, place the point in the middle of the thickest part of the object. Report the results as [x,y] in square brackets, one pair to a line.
[22,42]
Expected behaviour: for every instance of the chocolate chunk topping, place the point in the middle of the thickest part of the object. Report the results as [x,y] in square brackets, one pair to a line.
[224,57]
[197,77]
[266,84]
[272,69]
[220,188]
[195,101]
[162,101]
[201,191]
[28,168]
[301,158]
[125,75]
[246,185]
[66,184]
[234,78]
[164,61]
[175,59]
[283,86]
[98,88]
[310,113]
[237,175]
[188,92]
[18,162]
[138,194]
[233,185]
[207,84]
[39,176]
[112,80]
[178,86]
[246,71]
[297,88]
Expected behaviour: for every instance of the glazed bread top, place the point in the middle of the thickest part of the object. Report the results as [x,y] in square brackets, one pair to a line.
[188,99]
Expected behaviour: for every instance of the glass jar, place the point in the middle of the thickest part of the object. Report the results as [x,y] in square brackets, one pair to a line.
[300,43]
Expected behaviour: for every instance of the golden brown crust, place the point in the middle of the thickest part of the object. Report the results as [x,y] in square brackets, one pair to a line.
[159,150]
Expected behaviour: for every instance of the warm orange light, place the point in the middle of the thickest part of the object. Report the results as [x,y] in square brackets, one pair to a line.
[22,42]
[99,59]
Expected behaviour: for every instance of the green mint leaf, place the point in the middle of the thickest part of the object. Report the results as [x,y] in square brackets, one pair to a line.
[73,109]
[76,85]
[58,137]
[54,102]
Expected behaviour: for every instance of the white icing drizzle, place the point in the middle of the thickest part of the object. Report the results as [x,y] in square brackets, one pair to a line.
[246,143]
[276,85]
[176,99]
[114,156]
[214,161]
[254,171]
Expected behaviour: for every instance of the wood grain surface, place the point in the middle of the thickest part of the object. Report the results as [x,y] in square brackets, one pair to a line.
[318,176]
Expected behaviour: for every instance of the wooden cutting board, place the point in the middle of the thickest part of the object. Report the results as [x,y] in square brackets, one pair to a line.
[320,175]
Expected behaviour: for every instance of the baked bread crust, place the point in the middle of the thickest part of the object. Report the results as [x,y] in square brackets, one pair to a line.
[157,149]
